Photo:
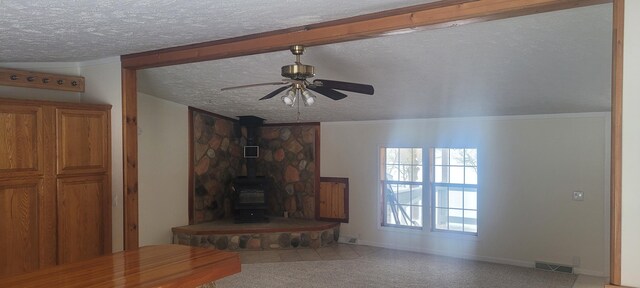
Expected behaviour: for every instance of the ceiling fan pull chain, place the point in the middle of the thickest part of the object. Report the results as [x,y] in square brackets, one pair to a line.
[298,116]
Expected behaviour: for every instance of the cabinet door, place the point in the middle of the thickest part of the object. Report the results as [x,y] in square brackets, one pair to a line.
[19,226]
[333,199]
[83,141]
[21,145]
[84,218]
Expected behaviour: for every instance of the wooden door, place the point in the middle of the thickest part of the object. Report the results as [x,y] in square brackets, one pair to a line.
[19,249]
[334,199]
[84,218]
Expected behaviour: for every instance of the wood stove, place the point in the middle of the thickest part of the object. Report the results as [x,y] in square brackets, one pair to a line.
[251,190]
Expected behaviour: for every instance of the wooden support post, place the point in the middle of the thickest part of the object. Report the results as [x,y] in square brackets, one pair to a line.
[27,79]
[130,154]
[616,144]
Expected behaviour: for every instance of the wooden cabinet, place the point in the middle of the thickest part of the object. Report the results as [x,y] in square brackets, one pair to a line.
[55,183]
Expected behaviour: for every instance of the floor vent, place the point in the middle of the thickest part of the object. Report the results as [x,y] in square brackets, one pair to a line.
[554,267]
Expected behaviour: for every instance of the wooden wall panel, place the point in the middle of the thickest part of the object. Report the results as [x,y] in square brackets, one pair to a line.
[333,199]
[81,141]
[19,251]
[21,151]
[81,218]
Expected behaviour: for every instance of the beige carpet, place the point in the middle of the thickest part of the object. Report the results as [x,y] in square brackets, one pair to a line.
[375,267]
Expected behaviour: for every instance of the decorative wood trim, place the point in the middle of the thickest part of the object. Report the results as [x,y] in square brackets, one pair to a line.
[28,79]
[616,144]
[130,154]
[440,14]
[191,165]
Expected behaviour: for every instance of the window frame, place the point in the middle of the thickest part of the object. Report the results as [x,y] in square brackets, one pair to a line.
[383,182]
[432,192]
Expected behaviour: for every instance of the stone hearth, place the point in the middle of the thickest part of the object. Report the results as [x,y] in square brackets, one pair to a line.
[279,233]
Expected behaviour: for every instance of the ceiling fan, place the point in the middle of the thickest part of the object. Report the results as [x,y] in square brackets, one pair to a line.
[299,86]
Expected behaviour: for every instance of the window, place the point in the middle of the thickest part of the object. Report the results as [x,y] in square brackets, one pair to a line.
[402,182]
[454,190]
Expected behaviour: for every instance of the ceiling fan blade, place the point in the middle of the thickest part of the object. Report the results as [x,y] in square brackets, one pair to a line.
[254,85]
[345,86]
[333,94]
[275,92]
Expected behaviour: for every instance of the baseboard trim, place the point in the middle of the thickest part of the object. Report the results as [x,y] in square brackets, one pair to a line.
[497,260]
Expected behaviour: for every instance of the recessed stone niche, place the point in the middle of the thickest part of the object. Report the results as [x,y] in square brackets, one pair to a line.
[287,156]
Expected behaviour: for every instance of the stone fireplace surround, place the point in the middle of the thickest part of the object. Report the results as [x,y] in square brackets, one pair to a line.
[288,154]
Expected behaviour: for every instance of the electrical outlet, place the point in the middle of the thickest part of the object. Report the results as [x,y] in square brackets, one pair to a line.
[578,195]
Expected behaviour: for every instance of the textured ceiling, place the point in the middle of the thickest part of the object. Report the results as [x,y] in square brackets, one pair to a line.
[72,30]
[556,62]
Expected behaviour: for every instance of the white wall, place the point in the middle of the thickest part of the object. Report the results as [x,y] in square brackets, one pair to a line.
[630,147]
[103,85]
[528,169]
[163,168]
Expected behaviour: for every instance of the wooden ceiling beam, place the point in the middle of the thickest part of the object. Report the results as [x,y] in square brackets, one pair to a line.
[426,16]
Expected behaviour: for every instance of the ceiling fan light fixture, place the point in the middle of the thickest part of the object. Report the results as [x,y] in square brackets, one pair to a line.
[289,98]
[308,97]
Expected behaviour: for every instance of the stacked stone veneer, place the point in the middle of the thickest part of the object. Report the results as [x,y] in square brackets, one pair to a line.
[260,241]
[218,160]
[287,156]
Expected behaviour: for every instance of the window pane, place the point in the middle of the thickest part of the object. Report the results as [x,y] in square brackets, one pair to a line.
[471,157]
[470,175]
[441,218]
[416,194]
[455,220]
[457,175]
[390,192]
[389,215]
[455,198]
[417,174]
[440,174]
[406,172]
[404,214]
[437,156]
[471,221]
[442,197]
[471,198]
[392,155]
[404,194]
[456,157]
[406,156]
[416,216]
[392,172]
[417,156]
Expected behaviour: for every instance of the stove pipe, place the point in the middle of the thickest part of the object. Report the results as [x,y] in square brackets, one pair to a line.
[252,123]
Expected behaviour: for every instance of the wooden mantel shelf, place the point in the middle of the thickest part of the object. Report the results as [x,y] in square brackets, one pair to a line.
[150,266]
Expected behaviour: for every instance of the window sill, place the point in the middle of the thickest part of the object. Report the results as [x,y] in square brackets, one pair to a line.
[430,234]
